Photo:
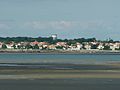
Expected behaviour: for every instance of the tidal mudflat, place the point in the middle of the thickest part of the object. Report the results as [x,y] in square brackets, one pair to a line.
[56,72]
[60,84]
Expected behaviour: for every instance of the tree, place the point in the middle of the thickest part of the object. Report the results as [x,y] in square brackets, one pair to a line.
[14,46]
[28,46]
[36,46]
[18,47]
[71,42]
[106,48]
[4,46]
[94,46]
[59,47]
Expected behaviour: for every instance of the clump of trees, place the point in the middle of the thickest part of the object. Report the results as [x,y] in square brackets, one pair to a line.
[4,46]
[106,48]
[46,39]
[49,40]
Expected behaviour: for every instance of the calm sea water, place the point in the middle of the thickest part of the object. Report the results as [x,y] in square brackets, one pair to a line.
[58,58]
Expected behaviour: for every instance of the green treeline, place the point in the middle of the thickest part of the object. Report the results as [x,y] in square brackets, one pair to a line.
[47,39]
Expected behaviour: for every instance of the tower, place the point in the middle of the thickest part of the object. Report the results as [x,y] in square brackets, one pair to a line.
[54,36]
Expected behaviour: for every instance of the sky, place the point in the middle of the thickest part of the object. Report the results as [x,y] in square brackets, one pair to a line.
[66,18]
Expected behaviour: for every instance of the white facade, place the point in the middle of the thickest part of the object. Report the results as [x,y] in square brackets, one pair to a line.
[114,46]
[100,47]
[87,47]
[9,46]
[79,46]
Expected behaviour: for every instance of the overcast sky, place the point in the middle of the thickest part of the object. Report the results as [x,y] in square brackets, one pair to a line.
[67,18]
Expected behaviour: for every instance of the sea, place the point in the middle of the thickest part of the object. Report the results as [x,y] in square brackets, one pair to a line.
[59,58]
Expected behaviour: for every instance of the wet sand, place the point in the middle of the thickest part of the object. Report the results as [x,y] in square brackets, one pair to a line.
[60,66]
[57,76]
[29,76]
[61,84]
[58,71]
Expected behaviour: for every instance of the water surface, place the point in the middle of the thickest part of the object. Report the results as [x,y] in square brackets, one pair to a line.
[59,58]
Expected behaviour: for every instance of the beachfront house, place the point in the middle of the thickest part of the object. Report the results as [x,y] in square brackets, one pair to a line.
[100,46]
[87,47]
[9,46]
[52,47]
[1,44]
[79,46]
[114,46]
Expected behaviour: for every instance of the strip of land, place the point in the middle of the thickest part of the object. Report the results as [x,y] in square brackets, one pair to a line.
[59,75]
[52,71]
[60,51]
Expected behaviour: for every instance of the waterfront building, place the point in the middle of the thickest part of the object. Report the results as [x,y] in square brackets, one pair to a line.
[52,47]
[1,44]
[61,43]
[34,43]
[100,46]
[9,46]
[79,46]
[87,47]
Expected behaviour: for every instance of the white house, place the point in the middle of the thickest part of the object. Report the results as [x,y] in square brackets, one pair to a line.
[10,46]
[1,44]
[79,46]
[100,47]
[114,46]
[87,47]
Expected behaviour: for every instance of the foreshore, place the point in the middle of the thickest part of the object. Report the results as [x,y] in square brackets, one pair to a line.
[60,84]
[58,71]
[60,51]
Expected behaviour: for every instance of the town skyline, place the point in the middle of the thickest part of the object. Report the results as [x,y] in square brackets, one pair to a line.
[53,43]
[67,18]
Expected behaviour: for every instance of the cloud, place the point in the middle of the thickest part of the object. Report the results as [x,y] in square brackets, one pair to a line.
[61,24]
[68,24]
[49,24]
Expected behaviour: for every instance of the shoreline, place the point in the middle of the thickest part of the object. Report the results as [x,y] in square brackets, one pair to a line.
[58,74]
[60,51]
[59,71]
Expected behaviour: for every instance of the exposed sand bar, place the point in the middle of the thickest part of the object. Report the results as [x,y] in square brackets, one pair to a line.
[58,71]
[61,76]
[57,74]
